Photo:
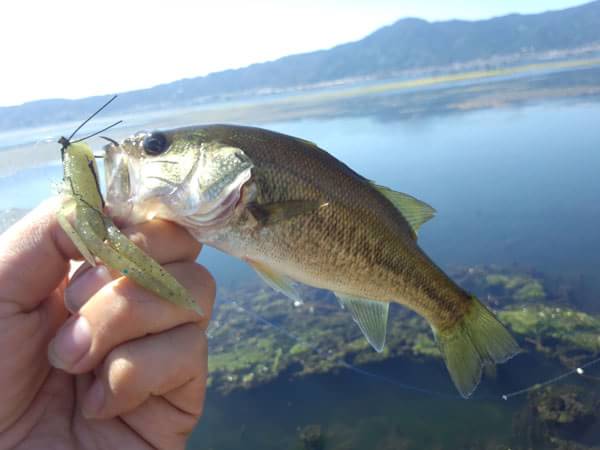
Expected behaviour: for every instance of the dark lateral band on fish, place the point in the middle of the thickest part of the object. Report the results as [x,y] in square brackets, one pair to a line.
[299,215]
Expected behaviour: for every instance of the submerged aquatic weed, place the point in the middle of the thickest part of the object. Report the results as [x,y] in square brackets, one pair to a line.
[502,286]
[555,329]
[317,336]
[558,417]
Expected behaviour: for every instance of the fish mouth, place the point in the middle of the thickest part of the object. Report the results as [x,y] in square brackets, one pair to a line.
[118,183]
[135,195]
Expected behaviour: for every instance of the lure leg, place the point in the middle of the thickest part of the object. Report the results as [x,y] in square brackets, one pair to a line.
[95,234]
[66,211]
[147,272]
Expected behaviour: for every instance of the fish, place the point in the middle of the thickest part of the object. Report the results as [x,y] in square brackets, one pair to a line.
[298,215]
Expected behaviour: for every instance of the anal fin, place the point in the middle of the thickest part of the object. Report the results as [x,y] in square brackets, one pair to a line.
[276,280]
[370,315]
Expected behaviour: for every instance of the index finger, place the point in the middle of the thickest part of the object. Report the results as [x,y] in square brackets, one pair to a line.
[163,241]
[34,257]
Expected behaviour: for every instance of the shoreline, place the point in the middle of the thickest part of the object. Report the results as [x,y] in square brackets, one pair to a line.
[531,84]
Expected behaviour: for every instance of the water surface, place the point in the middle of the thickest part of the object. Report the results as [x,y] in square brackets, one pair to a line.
[510,186]
[514,186]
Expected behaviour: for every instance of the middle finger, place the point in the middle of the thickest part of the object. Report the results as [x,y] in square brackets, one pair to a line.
[122,311]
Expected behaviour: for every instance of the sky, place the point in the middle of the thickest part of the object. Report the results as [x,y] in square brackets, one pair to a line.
[79,48]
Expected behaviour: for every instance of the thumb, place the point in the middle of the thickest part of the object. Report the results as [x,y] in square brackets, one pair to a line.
[34,257]
[34,261]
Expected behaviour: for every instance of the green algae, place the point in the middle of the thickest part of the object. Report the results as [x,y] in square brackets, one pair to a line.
[425,345]
[530,291]
[563,329]
[320,337]
[276,361]
[502,284]
[299,349]
[523,287]
[559,417]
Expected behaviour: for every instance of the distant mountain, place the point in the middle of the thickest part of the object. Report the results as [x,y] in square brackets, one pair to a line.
[407,45]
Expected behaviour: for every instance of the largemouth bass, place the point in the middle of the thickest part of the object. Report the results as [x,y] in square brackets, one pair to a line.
[297,214]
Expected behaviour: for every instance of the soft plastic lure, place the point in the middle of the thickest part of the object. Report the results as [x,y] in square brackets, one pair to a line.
[97,237]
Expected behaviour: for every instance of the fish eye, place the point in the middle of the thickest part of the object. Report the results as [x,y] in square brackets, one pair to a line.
[155,144]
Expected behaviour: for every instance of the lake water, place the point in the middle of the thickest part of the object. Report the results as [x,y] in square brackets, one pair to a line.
[512,187]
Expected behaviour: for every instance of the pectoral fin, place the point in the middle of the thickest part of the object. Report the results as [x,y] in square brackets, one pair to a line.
[275,212]
[276,280]
[414,211]
[370,315]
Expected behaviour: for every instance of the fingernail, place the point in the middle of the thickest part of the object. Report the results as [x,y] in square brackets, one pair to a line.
[94,400]
[82,287]
[71,343]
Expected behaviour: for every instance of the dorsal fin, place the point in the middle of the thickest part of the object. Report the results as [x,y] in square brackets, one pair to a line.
[308,143]
[413,210]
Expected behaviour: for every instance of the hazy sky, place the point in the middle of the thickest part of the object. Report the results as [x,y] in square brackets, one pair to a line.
[72,49]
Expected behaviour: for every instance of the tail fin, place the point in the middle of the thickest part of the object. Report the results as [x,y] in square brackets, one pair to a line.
[477,340]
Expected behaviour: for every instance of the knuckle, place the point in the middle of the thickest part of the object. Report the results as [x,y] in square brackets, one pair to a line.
[195,406]
[187,423]
[199,360]
[126,299]
[210,283]
[121,310]
[121,371]
[192,350]
[206,283]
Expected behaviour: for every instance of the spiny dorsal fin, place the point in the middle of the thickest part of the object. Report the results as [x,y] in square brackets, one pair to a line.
[370,315]
[308,143]
[275,212]
[414,211]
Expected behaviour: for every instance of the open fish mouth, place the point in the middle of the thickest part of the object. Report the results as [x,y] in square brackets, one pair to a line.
[197,187]
[118,185]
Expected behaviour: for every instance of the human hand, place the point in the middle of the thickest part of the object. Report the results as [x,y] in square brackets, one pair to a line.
[111,366]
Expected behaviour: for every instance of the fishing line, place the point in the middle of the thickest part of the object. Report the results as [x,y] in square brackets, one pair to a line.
[343,363]
[578,370]
[392,381]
